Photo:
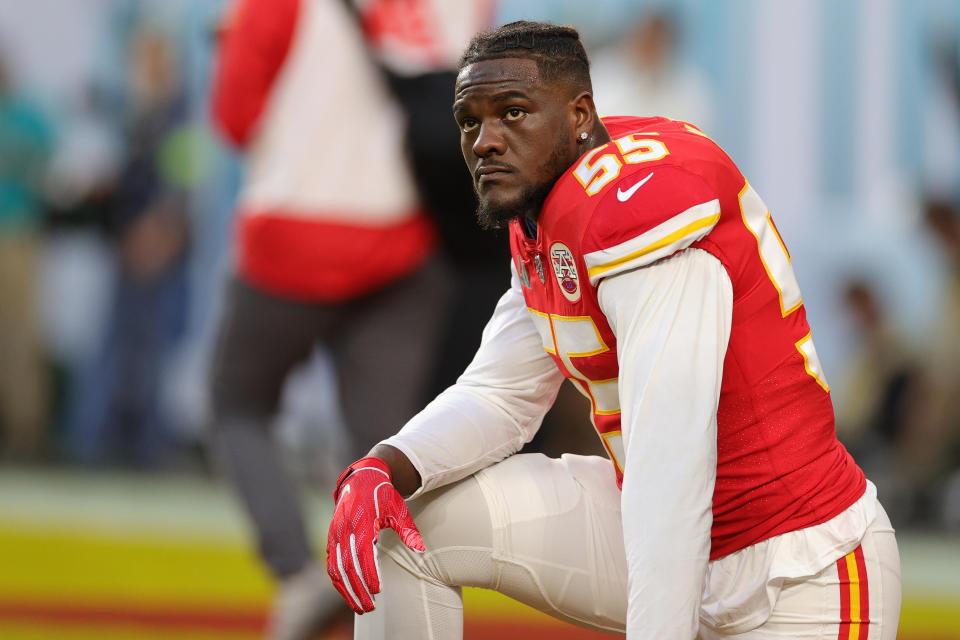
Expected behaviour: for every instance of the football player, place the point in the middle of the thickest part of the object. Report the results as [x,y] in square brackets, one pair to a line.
[647,271]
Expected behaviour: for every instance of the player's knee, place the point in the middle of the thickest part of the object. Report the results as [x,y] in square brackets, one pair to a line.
[454,515]
[457,532]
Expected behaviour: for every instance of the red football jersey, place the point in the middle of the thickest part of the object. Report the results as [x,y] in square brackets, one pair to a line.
[780,466]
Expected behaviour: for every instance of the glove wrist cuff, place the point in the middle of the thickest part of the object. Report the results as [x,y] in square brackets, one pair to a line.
[362,463]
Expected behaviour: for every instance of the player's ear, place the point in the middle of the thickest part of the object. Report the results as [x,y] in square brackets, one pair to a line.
[583,112]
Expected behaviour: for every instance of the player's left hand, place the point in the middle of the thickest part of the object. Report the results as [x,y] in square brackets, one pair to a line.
[366,502]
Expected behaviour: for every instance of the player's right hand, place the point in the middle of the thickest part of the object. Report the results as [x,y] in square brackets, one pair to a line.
[366,502]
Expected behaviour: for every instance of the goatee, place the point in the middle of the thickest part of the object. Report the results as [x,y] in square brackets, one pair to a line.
[497,215]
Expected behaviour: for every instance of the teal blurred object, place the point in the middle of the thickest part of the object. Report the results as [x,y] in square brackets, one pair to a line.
[25,144]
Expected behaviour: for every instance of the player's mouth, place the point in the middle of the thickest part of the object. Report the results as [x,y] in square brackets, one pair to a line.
[489,172]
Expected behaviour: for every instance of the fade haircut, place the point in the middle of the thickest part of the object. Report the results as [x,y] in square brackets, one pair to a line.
[557,50]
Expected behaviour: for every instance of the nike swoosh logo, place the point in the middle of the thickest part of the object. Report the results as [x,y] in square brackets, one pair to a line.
[623,196]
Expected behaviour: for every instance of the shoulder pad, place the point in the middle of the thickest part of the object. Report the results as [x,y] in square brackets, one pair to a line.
[645,216]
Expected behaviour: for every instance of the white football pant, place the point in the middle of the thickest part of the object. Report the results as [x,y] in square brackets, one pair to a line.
[547,532]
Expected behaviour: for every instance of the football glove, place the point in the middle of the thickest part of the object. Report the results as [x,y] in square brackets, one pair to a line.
[366,502]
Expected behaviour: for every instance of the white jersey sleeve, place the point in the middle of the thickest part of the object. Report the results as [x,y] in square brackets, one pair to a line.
[672,321]
[494,408]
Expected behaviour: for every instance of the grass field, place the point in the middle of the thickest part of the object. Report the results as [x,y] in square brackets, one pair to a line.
[87,556]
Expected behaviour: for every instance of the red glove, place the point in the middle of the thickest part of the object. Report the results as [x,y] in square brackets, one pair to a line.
[366,502]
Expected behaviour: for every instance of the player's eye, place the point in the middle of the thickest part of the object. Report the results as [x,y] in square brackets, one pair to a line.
[513,113]
[468,124]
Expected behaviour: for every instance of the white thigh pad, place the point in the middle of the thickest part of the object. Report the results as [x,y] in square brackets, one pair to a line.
[557,536]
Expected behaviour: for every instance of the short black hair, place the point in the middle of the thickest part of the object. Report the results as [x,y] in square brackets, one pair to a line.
[557,50]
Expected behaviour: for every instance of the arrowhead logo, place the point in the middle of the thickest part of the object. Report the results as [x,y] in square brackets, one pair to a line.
[623,196]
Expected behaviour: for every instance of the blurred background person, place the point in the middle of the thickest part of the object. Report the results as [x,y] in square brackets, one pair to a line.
[415,45]
[78,265]
[876,391]
[934,447]
[334,248]
[119,417]
[643,72]
[931,447]
[26,141]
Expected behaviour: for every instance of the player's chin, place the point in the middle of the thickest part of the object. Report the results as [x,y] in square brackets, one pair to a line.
[495,212]
[498,189]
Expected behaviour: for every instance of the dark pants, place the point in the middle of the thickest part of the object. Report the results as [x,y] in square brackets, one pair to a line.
[384,348]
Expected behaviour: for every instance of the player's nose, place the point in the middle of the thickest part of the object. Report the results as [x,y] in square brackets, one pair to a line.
[489,140]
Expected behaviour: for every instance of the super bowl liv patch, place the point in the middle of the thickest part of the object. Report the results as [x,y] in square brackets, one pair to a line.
[565,268]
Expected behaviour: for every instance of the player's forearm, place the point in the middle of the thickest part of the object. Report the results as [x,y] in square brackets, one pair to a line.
[467,429]
[494,408]
[667,546]
[406,478]
[672,322]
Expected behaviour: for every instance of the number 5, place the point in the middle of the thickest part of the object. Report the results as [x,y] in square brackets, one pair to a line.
[594,176]
[776,261]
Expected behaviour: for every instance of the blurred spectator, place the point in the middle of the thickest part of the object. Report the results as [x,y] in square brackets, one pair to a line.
[333,248]
[118,417]
[871,409]
[643,74]
[78,267]
[874,402]
[25,145]
[83,171]
[933,446]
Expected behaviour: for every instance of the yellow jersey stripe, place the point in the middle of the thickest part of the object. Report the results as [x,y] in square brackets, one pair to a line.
[672,238]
